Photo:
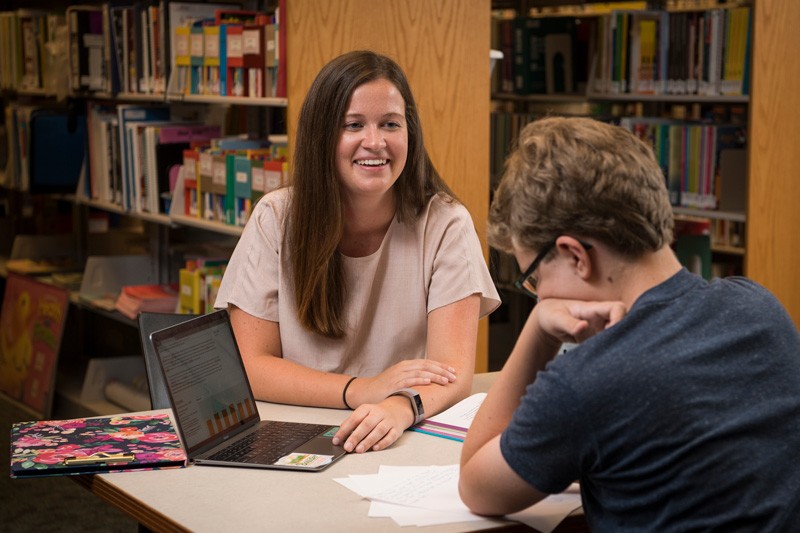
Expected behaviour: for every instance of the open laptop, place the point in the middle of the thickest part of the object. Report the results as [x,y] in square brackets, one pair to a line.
[214,407]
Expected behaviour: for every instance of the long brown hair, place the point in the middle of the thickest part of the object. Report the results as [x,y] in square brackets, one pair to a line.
[316,213]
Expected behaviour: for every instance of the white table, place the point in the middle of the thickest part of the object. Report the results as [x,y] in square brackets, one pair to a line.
[204,498]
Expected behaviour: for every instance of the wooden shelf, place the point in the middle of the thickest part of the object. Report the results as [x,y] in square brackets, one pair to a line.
[727,250]
[626,97]
[165,220]
[706,213]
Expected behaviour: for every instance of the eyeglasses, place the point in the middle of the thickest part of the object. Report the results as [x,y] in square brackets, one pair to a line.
[527,281]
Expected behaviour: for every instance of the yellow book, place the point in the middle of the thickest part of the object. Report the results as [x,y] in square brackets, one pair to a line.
[211,73]
[182,77]
[192,291]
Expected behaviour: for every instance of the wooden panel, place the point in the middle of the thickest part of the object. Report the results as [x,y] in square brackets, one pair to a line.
[443,46]
[773,214]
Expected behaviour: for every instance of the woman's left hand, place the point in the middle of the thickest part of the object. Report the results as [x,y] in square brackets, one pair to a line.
[375,426]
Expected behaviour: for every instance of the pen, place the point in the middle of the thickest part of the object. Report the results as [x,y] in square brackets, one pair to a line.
[100,458]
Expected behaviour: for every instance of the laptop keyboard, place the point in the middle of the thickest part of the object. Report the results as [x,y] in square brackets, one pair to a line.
[269,443]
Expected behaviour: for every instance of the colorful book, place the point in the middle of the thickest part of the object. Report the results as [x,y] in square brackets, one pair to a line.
[31,326]
[95,445]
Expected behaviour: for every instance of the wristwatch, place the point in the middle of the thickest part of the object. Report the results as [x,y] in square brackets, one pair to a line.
[416,403]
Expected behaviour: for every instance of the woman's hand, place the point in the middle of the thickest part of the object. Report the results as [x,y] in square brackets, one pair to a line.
[375,426]
[405,374]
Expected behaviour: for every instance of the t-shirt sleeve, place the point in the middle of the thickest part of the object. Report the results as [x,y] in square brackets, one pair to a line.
[459,268]
[251,279]
[545,441]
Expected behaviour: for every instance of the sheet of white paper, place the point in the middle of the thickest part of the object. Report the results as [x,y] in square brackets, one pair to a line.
[462,413]
[436,489]
[421,496]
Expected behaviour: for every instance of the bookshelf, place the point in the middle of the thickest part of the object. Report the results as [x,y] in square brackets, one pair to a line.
[444,50]
[771,251]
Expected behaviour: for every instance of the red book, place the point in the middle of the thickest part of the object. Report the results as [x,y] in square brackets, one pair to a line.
[134,299]
[190,193]
[280,89]
[236,73]
[253,59]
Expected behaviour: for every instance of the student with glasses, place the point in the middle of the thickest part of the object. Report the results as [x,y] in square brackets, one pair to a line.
[365,277]
[678,409]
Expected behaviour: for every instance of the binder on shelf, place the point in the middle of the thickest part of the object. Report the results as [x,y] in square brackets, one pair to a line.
[197,53]
[236,76]
[95,445]
[211,60]
[188,180]
[187,15]
[255,56]
[182,64]
[240,176]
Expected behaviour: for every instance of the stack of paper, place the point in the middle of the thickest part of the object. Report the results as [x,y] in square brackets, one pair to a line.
[428,495]
[454,422]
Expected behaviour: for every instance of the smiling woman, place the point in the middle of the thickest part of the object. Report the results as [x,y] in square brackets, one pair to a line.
[367,266]
[372,149]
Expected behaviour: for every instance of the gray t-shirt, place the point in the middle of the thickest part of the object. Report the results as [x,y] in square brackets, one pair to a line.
[435,262]
[683,416]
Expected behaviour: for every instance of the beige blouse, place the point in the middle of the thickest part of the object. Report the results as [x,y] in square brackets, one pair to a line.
[417,269]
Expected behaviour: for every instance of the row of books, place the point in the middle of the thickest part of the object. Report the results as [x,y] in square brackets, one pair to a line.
[542,55]
[702,52]
[45,146]
[659,52]
[233,53]
[27,58]
[137,153]
[199,282]
[692,156]
[134,152]
[152,47]
[221,183]
[702,161]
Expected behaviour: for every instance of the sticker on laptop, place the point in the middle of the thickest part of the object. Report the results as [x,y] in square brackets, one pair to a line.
[305,460]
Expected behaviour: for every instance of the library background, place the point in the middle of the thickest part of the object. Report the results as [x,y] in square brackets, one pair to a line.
[137,135]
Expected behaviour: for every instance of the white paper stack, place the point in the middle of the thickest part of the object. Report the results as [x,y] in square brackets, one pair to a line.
[428,495]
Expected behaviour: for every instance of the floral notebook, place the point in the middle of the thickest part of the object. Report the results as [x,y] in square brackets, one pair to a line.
[95,445]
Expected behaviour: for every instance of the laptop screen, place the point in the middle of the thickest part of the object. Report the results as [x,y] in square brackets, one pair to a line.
[206,380]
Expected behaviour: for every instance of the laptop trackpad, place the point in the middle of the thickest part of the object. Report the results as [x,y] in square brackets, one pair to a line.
[321,446]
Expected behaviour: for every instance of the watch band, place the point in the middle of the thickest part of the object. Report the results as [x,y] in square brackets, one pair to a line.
[416,403]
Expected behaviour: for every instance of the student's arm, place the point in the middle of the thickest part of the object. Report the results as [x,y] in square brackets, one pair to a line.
[487,483]
[452,338]
[275,379]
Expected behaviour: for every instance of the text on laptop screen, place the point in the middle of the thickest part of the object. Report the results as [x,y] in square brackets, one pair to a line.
[205,375]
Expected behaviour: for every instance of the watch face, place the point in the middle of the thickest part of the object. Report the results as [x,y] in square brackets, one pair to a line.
[418,402]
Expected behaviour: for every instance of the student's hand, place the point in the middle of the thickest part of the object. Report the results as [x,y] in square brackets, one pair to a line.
[405,374]
[375,426]
[575,321]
